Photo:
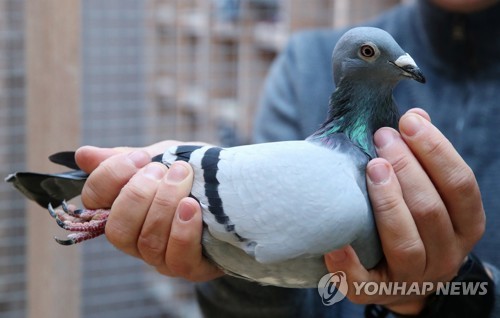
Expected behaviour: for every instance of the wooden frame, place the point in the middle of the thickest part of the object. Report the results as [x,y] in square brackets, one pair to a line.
[53,98]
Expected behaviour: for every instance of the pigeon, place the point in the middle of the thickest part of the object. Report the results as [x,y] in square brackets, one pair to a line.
[272,210]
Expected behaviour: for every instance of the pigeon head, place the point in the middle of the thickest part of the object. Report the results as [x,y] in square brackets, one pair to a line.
[371,55]
[367,64]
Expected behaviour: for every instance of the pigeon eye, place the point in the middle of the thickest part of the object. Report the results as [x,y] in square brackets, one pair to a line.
[367,51]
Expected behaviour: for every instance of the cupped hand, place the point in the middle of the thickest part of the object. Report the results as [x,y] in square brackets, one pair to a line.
[152,216]
[427,208]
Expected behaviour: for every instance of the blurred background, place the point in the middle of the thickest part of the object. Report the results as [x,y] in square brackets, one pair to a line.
[143,71]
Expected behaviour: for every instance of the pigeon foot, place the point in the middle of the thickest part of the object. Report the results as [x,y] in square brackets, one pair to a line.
[85,224]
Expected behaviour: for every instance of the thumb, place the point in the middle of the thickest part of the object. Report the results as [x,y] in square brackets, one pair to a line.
[347,261]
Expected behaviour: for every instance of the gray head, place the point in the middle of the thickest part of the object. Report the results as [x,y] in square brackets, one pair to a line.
[372,54]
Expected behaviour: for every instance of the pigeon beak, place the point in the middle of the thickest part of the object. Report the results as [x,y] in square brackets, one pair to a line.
[409,68]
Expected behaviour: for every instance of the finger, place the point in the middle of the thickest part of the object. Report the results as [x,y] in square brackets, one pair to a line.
[106,181]
[347,261]
[184,251]
[453,178]
[131,206]
[88,158]
[155,232]
[401,242]
[421,112]
[420,196]
[357,278]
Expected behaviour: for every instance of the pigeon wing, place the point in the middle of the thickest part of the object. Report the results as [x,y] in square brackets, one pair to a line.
[278,201]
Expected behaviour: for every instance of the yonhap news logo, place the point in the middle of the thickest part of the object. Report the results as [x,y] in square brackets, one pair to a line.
[421,288]
[332,288]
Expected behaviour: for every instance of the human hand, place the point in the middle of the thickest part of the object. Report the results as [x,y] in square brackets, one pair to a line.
[151,217]
[428,211]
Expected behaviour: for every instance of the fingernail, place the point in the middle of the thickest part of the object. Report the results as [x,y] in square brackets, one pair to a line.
[185,212]
[383,138]
[378,173]
[337,256]
[139,158]
[89,147]
[153,171]
[177,173]
[422,113]
[411,125]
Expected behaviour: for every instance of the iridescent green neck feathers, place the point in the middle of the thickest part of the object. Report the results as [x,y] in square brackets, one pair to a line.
[357,112]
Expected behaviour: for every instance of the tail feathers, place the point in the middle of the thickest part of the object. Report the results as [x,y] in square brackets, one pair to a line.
[65,158]
[49,188]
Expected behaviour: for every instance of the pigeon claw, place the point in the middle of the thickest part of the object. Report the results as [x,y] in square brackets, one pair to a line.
[60,223]
[68,241]
[70,211]
[52,212]
[84,224]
